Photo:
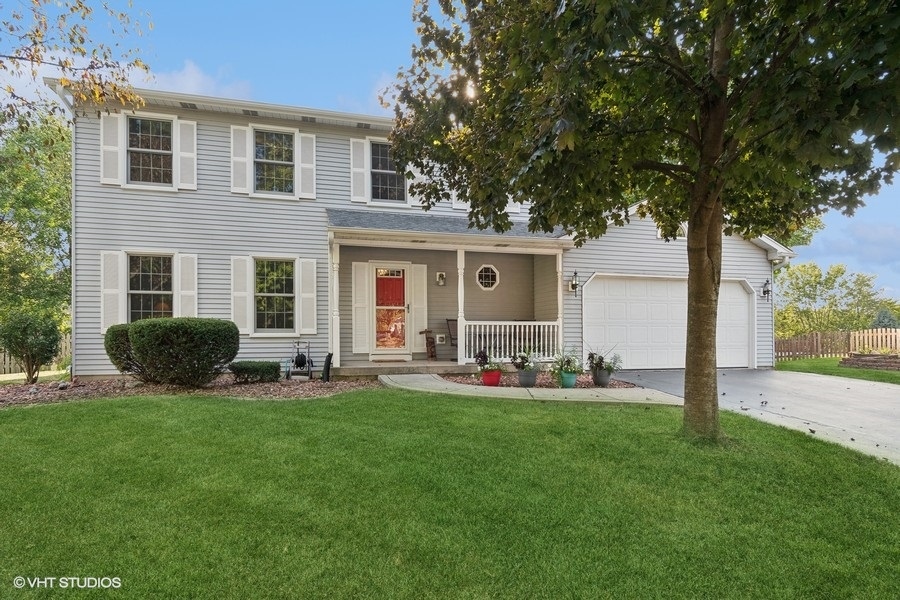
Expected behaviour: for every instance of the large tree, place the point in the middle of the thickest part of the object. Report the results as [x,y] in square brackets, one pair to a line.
[737,117]
[54,38]
[35,217]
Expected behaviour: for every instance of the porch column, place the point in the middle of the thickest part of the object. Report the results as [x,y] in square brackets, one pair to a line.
[559,300]
[334,330]
[461,303]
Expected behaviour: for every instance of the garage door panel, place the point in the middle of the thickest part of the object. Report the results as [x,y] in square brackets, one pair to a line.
[646,321]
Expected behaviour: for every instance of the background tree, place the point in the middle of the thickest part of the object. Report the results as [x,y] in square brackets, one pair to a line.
[53,37]
[809,300]
[735,117]
[35,218]
[885,319]
[801,234]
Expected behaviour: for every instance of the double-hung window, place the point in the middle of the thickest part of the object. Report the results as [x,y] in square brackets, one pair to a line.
[146,284]
[274,295]
[387,184]
[273,162]
[373,174]
[149,287]
[148,151]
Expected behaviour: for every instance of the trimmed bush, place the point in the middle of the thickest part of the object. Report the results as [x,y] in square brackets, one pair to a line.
[185,351]
[255,371]
[118,349]
[31,340]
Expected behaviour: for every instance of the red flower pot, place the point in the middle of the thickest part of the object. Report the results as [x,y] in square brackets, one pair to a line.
[491,377]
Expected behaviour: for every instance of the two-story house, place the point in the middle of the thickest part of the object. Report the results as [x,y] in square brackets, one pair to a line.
[293,223]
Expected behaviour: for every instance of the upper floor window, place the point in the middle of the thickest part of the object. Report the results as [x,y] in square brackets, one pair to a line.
[387,184]
[148,151]
[149,287]
[273,155]
[373,173]
[273,162]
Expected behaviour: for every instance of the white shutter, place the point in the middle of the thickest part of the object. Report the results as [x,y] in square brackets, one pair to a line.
[359,172]
[306,165]
[186,292]
[361,311]
[240,159]
[187,155]
[113,291]
[242,292]
[419,306]
[417,178]
[456,202]
[112,149]
[306,295]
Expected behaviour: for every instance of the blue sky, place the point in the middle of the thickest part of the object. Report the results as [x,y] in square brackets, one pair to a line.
[339,54]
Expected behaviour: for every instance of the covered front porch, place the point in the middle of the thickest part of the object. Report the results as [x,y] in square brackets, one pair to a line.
[393,289]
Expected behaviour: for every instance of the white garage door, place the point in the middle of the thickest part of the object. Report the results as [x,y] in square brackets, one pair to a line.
[645,320]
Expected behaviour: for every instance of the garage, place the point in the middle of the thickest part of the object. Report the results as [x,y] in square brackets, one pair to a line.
[645,321]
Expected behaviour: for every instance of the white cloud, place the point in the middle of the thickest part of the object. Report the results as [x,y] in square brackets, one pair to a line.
[191,79]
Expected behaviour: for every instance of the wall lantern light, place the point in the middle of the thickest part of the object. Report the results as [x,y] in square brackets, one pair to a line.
[441,278]
[574,284]
[766,291]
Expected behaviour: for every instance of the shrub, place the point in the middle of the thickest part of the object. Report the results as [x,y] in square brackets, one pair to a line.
[885,319]
[184,351]
[118,349]
[255,371]
[31,340]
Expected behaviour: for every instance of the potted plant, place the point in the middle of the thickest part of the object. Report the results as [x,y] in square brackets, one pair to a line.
[565,368]
[524,363]
[602,367]
[490,368]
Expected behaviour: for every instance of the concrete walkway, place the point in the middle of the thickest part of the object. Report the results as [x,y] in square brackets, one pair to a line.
[437,384]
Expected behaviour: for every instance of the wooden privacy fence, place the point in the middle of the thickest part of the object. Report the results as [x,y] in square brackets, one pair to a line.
[837,344]
[8,365]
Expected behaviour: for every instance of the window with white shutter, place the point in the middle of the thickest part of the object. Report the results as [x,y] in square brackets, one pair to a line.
[273,162]
[148,151]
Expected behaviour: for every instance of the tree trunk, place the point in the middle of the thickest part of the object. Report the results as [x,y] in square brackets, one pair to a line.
[701,396]
[704,243]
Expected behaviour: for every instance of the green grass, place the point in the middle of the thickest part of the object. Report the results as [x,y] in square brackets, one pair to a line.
[403,495]
[830,366]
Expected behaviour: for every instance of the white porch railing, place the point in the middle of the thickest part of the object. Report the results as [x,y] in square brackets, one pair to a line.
[503,338]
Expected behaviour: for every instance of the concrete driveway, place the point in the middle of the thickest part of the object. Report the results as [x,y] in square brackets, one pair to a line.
[863,415]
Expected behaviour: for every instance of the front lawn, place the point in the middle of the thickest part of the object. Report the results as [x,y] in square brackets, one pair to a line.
[384,493]
[830,366]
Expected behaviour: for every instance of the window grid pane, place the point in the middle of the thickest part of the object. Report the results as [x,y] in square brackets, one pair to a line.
[387,184]
[274,299]
[150,151]
[274,161]
[149,287]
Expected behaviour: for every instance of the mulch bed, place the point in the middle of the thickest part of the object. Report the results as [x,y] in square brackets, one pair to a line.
[544,380]
[46,393]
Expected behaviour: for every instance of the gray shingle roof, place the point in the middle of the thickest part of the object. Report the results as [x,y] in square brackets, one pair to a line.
[426,223]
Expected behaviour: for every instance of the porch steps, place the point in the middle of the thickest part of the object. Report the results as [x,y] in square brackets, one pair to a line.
[373,370]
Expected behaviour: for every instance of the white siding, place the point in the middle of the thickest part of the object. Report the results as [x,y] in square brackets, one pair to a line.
[635,250]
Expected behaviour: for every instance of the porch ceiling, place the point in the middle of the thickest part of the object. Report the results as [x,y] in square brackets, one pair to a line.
[434,231]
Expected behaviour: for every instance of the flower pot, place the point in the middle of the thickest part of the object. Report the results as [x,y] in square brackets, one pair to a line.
[490,378]
[600,377]
[527,378]
[567,380]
